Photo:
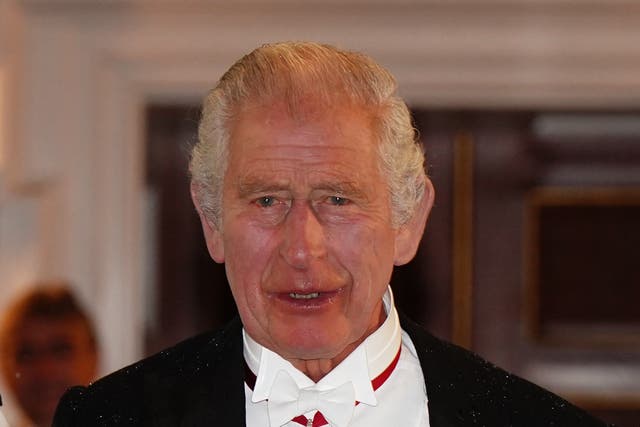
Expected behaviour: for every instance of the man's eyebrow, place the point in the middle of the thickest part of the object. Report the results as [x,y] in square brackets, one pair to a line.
[249,186]
[346,188]
[252,185]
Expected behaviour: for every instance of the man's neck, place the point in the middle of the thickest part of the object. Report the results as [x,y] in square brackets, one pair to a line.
[316,369]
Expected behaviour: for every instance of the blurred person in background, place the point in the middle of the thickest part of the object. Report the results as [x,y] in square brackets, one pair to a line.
[47,344]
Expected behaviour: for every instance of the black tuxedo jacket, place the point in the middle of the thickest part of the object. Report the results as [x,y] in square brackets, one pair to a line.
[199,382]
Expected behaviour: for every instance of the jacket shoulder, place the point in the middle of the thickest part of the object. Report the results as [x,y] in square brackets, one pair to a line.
[465,390]
[156,389]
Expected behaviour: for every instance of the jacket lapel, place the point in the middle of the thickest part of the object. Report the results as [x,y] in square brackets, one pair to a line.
[435,372]
[220,400]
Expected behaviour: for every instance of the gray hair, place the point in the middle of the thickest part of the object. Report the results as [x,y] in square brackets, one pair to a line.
[294,72]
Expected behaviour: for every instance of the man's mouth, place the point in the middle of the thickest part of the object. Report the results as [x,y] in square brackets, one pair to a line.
[311,295]
[302,301]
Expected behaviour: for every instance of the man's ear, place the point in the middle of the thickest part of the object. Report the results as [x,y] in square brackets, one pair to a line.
[410,233]
[212,235]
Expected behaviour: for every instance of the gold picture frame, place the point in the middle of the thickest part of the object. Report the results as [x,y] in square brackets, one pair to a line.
[578,204]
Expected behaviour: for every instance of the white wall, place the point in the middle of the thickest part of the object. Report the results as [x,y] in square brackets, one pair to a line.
[78,73]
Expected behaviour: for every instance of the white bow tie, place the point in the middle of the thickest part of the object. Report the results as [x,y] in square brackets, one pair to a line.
[287,401]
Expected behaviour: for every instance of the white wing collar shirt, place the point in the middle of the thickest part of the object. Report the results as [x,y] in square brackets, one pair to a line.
[380,383]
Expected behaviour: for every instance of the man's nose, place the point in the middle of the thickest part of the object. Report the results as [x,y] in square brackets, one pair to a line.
[303,236]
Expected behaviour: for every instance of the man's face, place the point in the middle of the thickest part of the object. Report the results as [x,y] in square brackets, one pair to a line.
[306,235]
[47,357]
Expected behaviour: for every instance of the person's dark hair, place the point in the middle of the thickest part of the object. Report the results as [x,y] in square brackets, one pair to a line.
[52,301]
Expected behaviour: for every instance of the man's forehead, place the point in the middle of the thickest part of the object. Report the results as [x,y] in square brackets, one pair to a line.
[269,129]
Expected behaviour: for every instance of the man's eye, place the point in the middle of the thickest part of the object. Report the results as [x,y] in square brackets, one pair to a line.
[266,201]
[337,200]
